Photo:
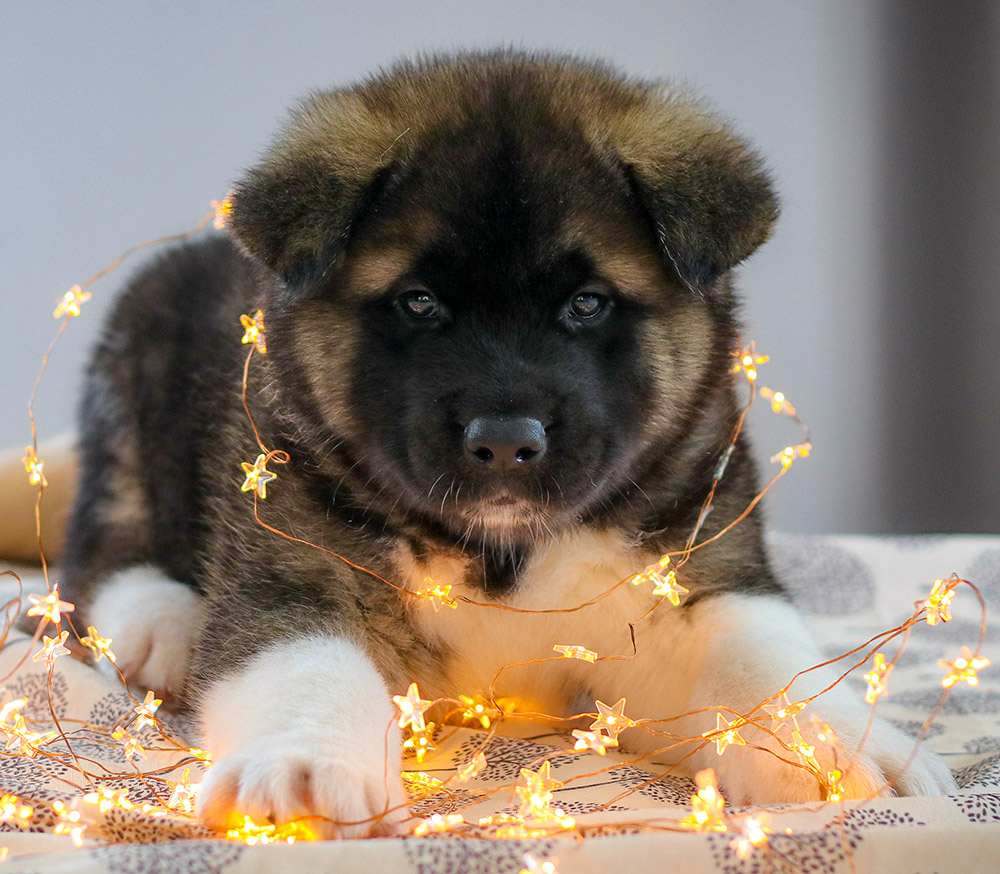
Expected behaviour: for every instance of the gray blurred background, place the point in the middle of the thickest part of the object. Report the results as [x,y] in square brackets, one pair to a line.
[877,299]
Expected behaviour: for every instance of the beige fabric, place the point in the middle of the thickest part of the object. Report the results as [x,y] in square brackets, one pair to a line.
[849,587]
[18,538]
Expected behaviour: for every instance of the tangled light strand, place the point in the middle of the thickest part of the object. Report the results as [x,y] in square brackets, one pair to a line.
[536,816]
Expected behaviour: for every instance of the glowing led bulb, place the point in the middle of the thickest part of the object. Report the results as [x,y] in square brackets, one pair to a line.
[184,794]
[106,798]
[52,648]
[707,805]
[471,769]
[254,331]
[779,403]
[963,669]
[438,823]
[411,708]
[668,587]
[146,711]
[100,646]
[877,678]
[754,834]
[477,709]
[257,476]
[593,740]
[611,719]
[725,734]
[575,652]
[438,595]
[34,467]
[49,606]
[69,304]
[790,453]
[421,741]
[939,603]
[223,210]
[69,822]
[747,361]
[537,866]
[835,787]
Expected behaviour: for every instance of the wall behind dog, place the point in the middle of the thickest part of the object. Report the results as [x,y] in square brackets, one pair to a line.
[876,299]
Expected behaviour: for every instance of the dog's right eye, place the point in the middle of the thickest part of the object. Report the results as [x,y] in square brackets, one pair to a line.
[419,303]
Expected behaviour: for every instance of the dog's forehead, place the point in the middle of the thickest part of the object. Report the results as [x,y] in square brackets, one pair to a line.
[505,205]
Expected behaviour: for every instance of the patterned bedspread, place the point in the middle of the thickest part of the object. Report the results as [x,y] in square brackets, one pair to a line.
[850,588]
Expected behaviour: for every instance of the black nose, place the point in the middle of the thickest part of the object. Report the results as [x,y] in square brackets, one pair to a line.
[505,443]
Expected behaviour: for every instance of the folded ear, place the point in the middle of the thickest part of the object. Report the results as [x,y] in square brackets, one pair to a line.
[710,198]
[295,211]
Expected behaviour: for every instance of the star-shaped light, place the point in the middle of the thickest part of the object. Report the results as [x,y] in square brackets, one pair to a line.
[754,834]
[477,709]
[824,733]
[99,646]
[779,403]
[146,711]
[790,453]
[411,708]
[438,595]
[184,794]
[223,210]
[611,719]
[34,467]
[70,822]
[877,678]
[471,769]
[49,606]
[781,710]
[569,651]
[257,476]
[21,740]
[70,302]
[669,588]
[535,794]
[725,734]
[421,781]
[130,745]
[12,809]
[10,705]
[538,866]
[939,603]
[806,750]
[835,785]
[707,805]
[653,573]
[747,360]
[593,740]
[540,780]
[420,742]
[106,798]
[52,648]
[963,669]
[438,822]
[254,331]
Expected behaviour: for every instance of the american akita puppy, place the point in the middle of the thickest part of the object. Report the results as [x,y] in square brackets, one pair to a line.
[500,331]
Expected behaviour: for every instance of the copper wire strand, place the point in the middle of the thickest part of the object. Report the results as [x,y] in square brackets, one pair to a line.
[498,715]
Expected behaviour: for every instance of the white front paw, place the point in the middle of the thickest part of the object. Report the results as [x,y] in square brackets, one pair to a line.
[305,729]
[290,776]
[153,623]
[886,763]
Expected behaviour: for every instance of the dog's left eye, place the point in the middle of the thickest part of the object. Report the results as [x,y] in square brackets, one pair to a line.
[587,304]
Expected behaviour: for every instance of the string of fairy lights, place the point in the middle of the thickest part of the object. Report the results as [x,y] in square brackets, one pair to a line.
[80,815]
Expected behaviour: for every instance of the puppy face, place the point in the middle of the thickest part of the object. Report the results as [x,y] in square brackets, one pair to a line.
[519,299]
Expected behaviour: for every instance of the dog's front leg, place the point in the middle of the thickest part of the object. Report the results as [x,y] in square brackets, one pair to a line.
[744,650]
[303,727]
